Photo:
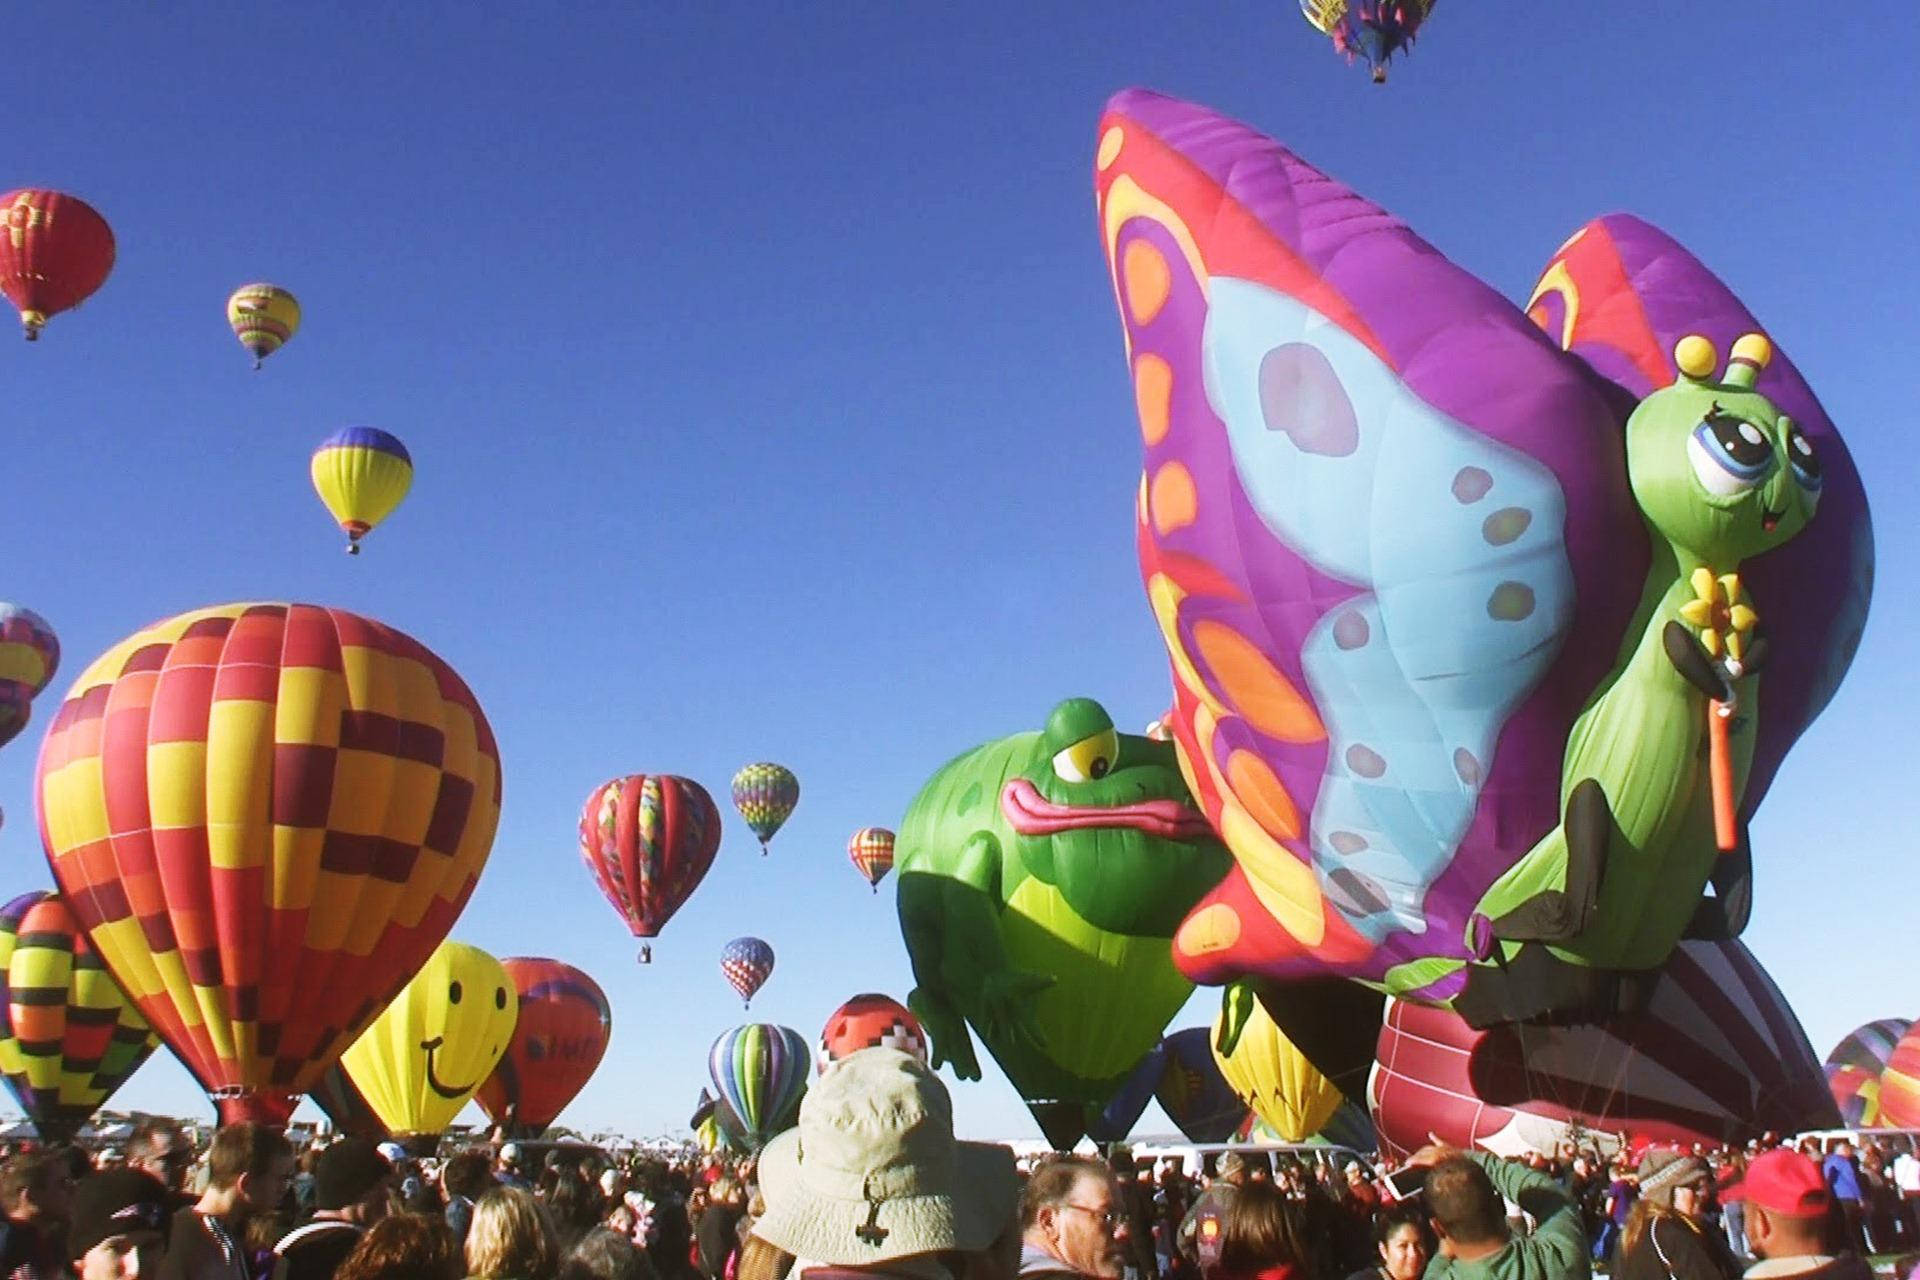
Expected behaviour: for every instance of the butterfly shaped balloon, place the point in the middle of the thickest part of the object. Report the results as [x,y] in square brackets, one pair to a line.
[1460,599]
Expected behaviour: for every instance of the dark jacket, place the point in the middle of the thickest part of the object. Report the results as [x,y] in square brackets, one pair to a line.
[1673,1249]
[200,1248]
[315,1251]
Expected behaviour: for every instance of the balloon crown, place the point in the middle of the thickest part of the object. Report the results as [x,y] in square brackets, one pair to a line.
[1696,359]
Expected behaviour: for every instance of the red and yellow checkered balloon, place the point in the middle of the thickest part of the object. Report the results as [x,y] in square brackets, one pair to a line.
[266,817]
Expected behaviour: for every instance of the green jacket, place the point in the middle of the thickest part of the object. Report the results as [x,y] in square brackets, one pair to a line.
[1557,1248]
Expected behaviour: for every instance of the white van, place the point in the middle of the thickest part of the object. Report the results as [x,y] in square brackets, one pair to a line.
[1895,1141]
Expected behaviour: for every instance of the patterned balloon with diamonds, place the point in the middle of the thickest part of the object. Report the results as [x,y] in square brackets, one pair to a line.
[746,963]
[765,794]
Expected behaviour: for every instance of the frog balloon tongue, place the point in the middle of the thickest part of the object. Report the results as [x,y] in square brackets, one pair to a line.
[1041,879]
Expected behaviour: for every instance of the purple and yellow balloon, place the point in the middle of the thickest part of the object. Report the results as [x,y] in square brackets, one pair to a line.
[29,655]
[361,473]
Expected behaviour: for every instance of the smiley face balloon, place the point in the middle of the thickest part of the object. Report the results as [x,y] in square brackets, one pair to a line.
[422,1059]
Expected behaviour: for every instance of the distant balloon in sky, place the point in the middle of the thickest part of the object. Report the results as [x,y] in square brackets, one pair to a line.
[649,839]
[264,317]
[55,251]
[746,962]
[765,794]
[29,655]
[871,850]
[361,473]
[1371,29]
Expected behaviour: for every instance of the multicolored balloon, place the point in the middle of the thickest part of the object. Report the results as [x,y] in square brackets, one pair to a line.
[69,1036]
[426,1054]
[345,1107]
[266,817]
[871,851]
[1201,1102]
[765,794]
[648,840]
[264,317]
[55,252]
[29,655]
[1857,1093]
[1717,1057]
[1372,29]
[1900,1084]
[565,1024]
[361,474]
[1869,1047]
[1271,1077]
[870,1021]
[760,1072]
[1303,363]
[746,964]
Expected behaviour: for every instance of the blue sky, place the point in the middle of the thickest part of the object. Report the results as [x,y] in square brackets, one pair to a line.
[760,371]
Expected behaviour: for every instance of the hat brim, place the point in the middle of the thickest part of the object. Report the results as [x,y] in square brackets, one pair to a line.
[969,1216]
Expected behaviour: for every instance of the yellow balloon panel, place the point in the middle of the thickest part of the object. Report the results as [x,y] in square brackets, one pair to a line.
[422,1059]
[1275,1079]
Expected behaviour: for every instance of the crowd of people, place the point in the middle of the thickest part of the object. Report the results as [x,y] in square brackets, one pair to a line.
[873,1185]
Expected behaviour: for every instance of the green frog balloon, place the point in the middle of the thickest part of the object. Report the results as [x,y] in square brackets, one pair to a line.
[1041,878]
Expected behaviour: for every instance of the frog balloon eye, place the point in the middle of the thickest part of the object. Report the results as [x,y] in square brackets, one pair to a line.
[1729,455]
[1091,757]
[1803,460]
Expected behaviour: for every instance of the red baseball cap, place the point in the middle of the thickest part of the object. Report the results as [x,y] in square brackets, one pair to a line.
[1781,1181]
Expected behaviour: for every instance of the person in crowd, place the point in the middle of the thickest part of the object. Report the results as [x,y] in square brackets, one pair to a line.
[1401,1239]
[1880,1202]
[717,1233]
[576,1206]
[1843,1180]
[1201,1229]
[249,1169]
[606,1255]
[1071,1223]
[1622,1191]
[1787,1198]
[352,1191]
[464,1179]
[117,1226]
[507,1170]
[1466,1194]
[36,1194]
[1667,1235]
[511,1238]
[1262,1240]
[1733,1213]
[1906,1181]
[161,1147]
[884,1188]
[403,1246]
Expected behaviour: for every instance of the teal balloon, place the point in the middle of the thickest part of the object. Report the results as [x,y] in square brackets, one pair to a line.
[760,1073]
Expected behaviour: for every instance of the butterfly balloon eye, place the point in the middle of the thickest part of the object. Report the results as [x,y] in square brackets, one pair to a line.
[1729,455]
[1090,758]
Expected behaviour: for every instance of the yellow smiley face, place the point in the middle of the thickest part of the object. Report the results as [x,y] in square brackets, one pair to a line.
[422,1059]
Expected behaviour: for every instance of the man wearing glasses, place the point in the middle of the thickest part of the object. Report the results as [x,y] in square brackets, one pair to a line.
[1071,1222]
[161,1148]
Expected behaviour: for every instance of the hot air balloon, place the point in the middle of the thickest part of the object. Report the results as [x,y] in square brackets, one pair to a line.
[56,251]
[1268,1074]
[1716,1057]
[29,655]
[649,840]
[760,1072]
[70,1036]
[266,816]
[1857,1093]
[765,795]
[1198,1099]
[1114,1121]
[1372,29]
[345,1107]
[562,1034]
[1303,363]
[746,962]
[361,474]
[426,1054]
[1869,1047]
[867,1022]
[871,850]
[264,317]
[1900,1084]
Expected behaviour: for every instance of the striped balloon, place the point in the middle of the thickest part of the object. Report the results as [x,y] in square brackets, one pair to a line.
[871,849]
[765,795]
[361,474]
[264,317]
[1900,1084]
[760,1071]
[1716,1057]
[29,655]
[649,840]
[70,1036]
[746,962]
[1869,1047]
[1856,1093]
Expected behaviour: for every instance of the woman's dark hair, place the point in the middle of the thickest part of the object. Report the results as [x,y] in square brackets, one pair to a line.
[1261,1231]
[575,1205]
[606,1255]
[1388,1221]
[404,1246]
[468,1174]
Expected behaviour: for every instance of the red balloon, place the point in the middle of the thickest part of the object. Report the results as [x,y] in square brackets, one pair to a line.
[870,1021]
[561,1036]
[1716,1057]
[55,250]
[649,839]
